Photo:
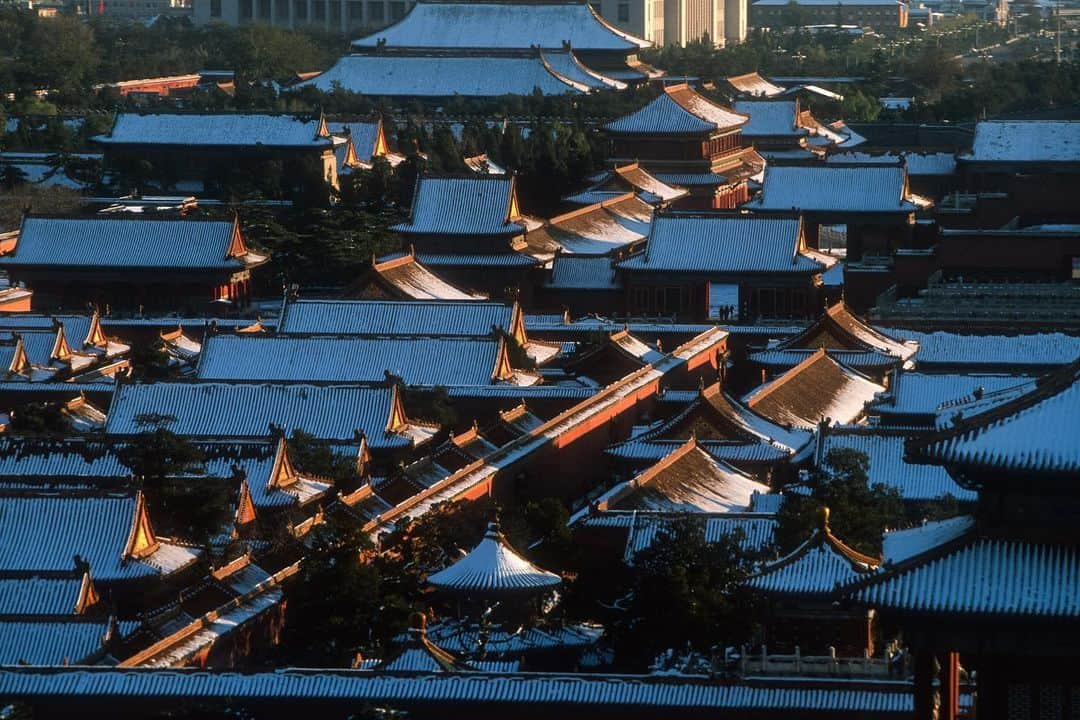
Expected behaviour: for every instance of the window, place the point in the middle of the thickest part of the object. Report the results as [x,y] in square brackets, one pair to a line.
[356,10]
[335,12]
[397,11]
[624,12]
[264,9]
[318,10]
[282,10]
[376,12]
[215,8]
[300,10]
[246,9]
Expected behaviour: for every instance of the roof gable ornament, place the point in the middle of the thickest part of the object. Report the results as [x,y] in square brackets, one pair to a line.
[61,350]
[20,362]
[95,336]
[141,540]
[283,474]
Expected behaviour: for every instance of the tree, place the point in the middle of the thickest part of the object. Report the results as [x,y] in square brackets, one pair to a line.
[683,593]
[40,419]
[317,457]
[859,513]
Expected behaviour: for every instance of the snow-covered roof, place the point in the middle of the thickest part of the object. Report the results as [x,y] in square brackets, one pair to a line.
[56,642]
[467,205]
[839,330]
[888,466]
[834,188]
[899,546]
[725,245]
[602,228]
[679,110]
[583,272]
[416,360]
[819,388]
[409,278]
[363,135]
[940,350]
[454,75]
[240,411]
[448,689]
[124,243]
[927,395]
[687,480]
[43,532]
[44,595]
[397,318]
[985,577]
[1024,434]
[772,118]
[221,130]
[1034,141]
[822,565]
[485,25]
[754,85]
[493,567]
[919,164]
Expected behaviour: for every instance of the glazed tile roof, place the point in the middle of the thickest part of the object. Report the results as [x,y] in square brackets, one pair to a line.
[899,546]
[887,465]
[395,318]
[1025,141]
[817,389]
[606,227]
[822,565]
[929,395]
[44,532]
[679,110]
[770,118]
[985,577]
[23,462]
[54,642]
[583,272]
[466,638]
[493,567]
[364,136]
[840,329]
[554,690]
[938,350]
[1022,434]
[754,530]
[735,453]
[833,188]
[412,280]
[567,65]
[220,411]
[754,85]
[502,25]
[446,75]
[918,164]
[687,480]
[475,260]
[861,360]
[226,129]
[111,242]
[40,595]
[723,244]
[417,361]
[471,205]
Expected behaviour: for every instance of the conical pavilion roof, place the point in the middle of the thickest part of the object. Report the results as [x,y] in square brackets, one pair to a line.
[493,567]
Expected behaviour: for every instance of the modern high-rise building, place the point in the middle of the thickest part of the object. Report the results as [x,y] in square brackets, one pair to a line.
[677,22]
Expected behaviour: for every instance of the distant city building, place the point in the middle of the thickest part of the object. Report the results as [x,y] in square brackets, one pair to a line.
[677,22]
[337,15]
[794,13]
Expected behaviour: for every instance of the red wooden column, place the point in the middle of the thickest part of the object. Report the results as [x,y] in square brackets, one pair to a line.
[950,686]
[924,685]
